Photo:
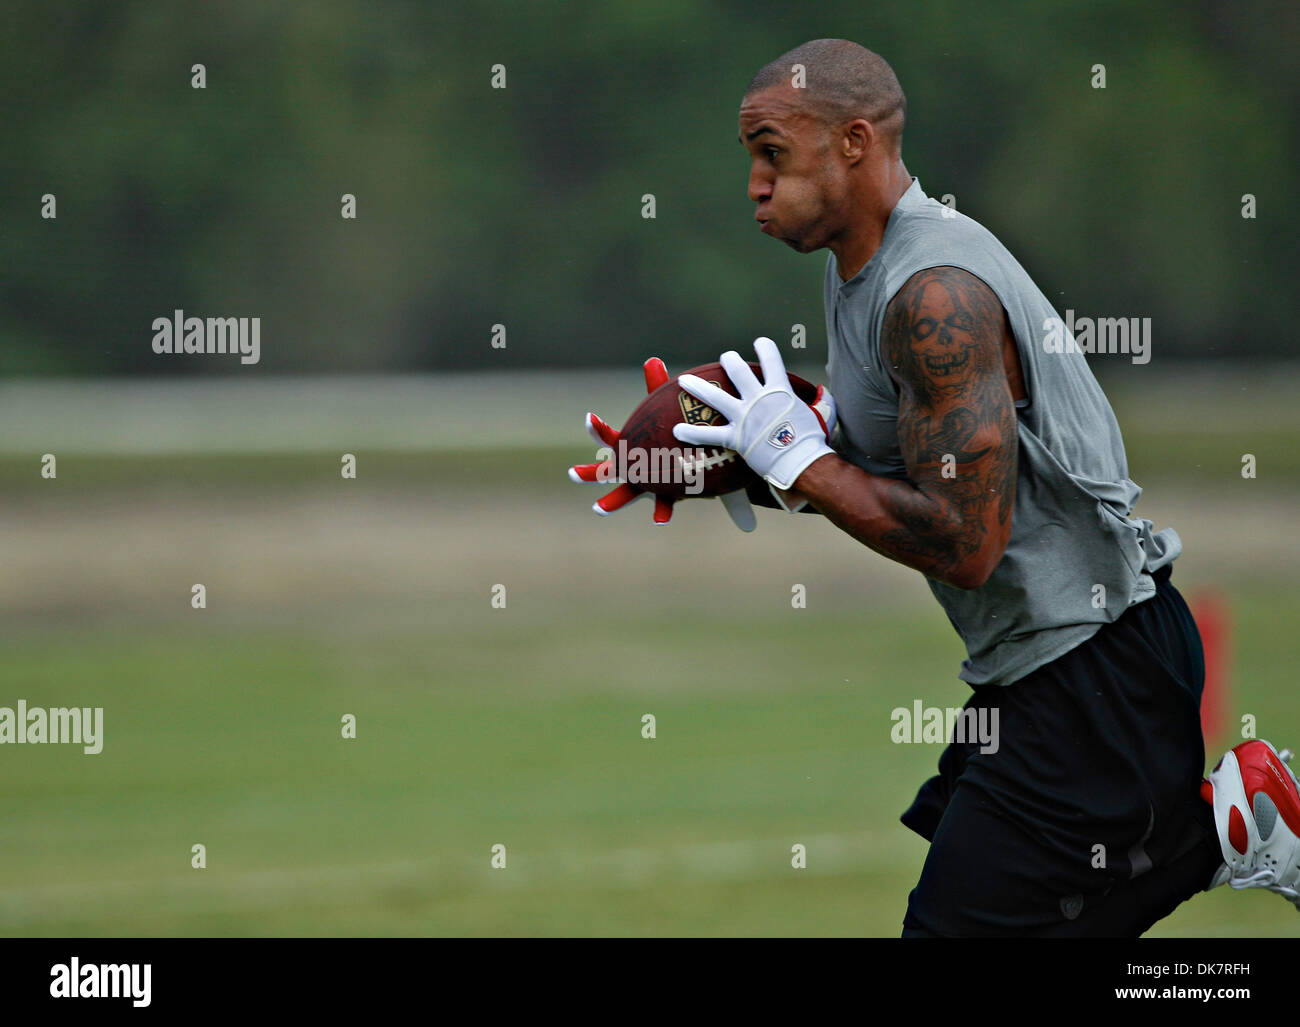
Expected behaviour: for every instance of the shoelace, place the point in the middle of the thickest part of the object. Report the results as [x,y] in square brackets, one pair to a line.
[1264,878]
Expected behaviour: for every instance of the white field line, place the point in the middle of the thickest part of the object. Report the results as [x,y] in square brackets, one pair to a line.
[467,410]
[344,413]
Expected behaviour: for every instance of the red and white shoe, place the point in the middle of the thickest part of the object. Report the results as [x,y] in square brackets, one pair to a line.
[1256,800]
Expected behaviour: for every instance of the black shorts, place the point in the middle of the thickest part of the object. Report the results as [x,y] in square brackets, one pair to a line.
[1087,820]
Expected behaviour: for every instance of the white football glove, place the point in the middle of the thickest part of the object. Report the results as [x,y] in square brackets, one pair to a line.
[772,429]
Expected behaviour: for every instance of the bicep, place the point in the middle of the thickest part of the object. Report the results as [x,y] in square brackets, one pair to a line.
[942,339]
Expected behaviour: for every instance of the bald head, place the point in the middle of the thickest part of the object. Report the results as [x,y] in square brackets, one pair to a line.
[842,81]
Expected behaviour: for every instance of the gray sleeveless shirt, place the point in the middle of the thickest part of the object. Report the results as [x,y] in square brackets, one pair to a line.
[1076,559]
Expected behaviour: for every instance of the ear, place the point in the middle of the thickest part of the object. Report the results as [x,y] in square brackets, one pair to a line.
[858,138]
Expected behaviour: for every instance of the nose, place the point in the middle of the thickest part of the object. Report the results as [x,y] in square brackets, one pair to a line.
[760,184]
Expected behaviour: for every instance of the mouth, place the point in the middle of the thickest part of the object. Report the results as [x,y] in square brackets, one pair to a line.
[943,366]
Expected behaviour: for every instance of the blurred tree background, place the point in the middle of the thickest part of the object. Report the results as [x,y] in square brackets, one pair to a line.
[522,206]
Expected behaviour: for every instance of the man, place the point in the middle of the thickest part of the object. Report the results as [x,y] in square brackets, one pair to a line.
[968,451]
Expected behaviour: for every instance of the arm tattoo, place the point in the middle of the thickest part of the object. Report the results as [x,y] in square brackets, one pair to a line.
[942,338]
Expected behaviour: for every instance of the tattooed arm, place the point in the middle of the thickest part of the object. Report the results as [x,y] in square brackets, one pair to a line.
[943,337]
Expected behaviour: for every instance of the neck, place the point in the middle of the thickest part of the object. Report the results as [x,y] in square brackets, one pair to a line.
[860,240]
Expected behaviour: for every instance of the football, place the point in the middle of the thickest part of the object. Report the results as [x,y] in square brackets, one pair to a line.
[648,458]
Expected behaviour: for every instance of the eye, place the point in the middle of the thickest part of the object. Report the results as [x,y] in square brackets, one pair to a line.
[771,152]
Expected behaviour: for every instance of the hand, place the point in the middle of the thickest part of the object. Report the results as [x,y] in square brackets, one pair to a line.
[736,504]
[774,431]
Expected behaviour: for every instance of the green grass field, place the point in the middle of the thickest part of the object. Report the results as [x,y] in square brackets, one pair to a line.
[519,733]
[518,726]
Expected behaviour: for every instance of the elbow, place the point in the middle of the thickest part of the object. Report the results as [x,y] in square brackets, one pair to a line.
[973,572]
[975,569]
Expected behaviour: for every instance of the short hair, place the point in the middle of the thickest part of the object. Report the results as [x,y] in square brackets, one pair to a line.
[842,81]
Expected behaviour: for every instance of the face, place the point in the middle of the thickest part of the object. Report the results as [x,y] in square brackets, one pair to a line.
[946,340]
[792,177]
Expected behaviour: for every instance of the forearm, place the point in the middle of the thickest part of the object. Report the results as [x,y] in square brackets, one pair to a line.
[898,520]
